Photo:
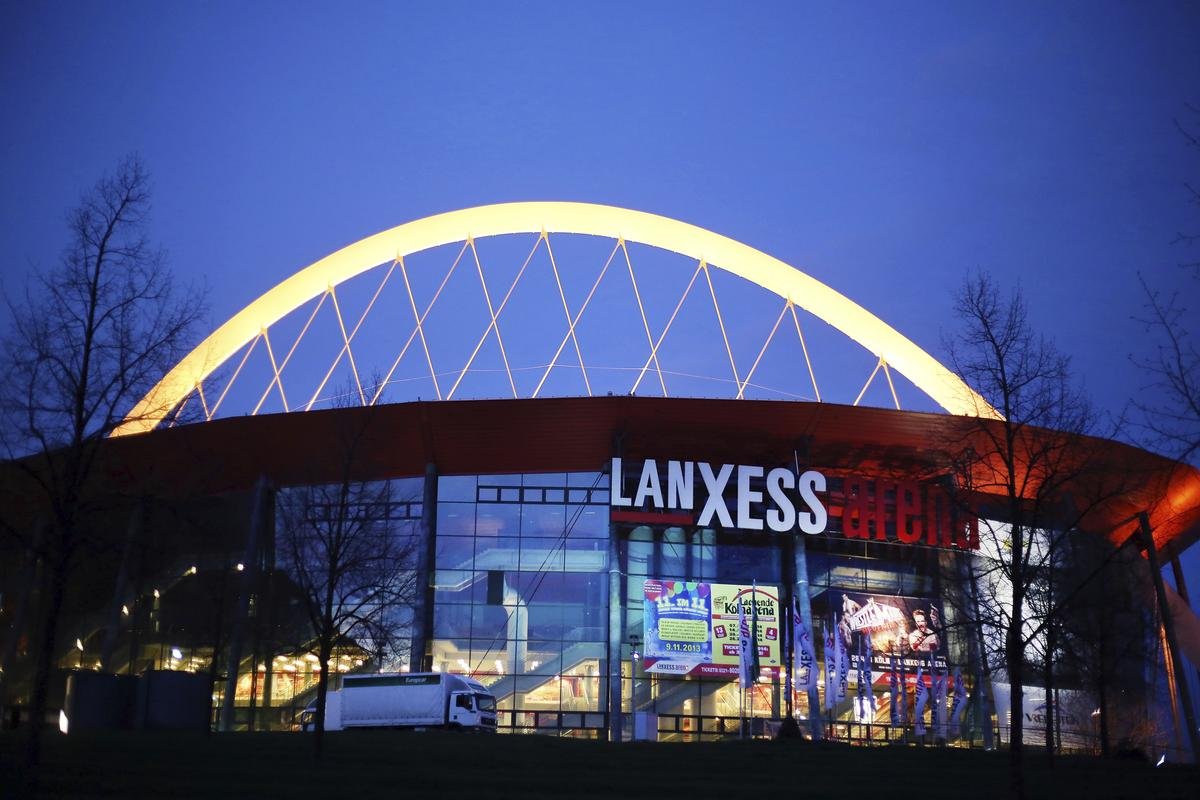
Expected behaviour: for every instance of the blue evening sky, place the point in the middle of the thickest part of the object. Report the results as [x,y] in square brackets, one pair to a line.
[885,148]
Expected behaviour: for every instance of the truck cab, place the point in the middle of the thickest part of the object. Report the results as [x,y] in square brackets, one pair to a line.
[470,709]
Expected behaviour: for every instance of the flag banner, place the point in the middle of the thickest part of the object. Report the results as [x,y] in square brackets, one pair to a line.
[922,699]
[894,692]
[868,673]
[804,657]
[754,666]
[906,627]
[938,715]
[843,663]
[746,646]
[861,711]
[830,669]
[958,704]
[692,628]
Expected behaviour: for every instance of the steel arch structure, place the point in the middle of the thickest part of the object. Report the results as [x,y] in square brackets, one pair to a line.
[707,248]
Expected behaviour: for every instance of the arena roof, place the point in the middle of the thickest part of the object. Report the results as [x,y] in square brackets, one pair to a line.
[576,434]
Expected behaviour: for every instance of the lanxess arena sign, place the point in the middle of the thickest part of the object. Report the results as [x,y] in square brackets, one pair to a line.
[783,500]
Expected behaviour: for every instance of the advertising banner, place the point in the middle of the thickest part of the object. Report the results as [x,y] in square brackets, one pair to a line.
[909,628]
[678,618]
[691,628]
[1075,726]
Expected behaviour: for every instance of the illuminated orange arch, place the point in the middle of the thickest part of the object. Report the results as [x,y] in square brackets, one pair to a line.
[712,249]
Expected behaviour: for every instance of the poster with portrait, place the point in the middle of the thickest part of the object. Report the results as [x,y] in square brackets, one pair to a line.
[910,628]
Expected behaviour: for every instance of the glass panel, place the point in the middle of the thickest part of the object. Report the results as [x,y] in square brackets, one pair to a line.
[546,621]
[542,520]
[673,557]
[498,553]
[587,479]
[556,479]
[542,555]
[453,585]
[497,519]
[500,480]
[455,519]
[586,555]
[456,487]
[588,522]
[452,621]
[454,552]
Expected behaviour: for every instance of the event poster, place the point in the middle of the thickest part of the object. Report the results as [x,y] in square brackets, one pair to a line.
[678,620]
[691,628]
[909,628]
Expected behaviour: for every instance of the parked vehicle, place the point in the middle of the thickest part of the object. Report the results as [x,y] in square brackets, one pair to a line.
[407,700]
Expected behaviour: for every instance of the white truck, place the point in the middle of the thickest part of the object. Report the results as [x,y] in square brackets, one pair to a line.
[407,700]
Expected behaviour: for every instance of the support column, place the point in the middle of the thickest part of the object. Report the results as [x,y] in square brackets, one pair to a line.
[258,520]
[1168,623]
[616,634]
[1182,590]
[419,657]
[800,561]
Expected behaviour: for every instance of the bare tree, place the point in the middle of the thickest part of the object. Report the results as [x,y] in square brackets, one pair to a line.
[351,558]
[88,339]
[1024,475]
[1169,405]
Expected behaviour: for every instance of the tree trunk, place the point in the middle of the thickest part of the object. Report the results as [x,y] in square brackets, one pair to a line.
[1102,691]
[54,586]
[1014,647]
[324,649]
[1048,680]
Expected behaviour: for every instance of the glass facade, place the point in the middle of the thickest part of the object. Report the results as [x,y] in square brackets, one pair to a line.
[520,584]
[521,602]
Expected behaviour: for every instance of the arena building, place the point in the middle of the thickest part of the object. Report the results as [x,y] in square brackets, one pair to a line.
[587,557]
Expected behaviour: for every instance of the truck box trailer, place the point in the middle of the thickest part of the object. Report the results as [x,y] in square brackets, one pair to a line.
[408,700]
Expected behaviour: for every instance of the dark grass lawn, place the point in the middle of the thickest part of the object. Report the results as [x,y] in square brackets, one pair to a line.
[389,764]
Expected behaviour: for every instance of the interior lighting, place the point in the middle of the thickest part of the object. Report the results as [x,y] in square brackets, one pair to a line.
[156,594]
[240,566]
[125,610]
[79,645]
[289,667]
[311,657]
[176,653]
[499,666]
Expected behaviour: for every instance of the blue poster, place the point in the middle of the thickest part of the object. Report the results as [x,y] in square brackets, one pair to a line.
[678,620]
